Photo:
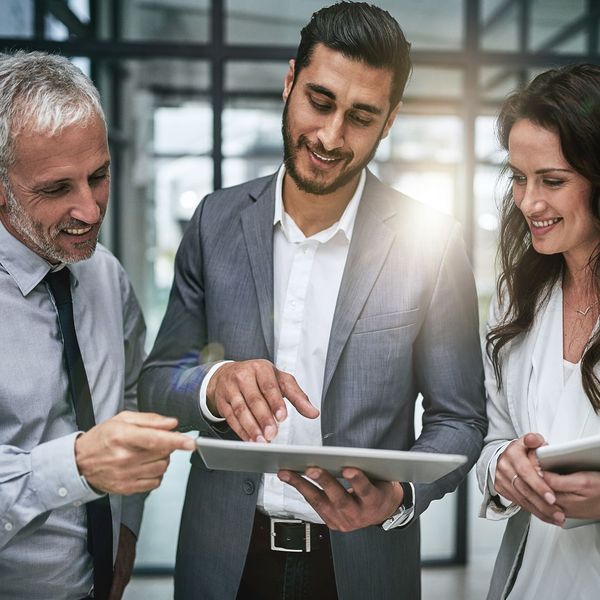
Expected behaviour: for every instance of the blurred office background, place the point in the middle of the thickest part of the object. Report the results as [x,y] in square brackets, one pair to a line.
[192,92]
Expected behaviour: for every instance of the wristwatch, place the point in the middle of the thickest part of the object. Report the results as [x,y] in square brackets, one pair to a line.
[406,507]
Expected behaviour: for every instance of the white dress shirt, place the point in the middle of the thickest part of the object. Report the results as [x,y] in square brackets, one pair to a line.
[307,273]
[43,532]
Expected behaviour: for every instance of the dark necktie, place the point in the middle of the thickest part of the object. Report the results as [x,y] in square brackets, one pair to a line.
[99,520]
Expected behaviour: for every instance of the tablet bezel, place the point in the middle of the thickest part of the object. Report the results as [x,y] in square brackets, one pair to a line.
[387,465]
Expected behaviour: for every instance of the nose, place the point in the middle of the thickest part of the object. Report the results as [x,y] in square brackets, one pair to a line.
[530,200]
[331,133]
[86,207]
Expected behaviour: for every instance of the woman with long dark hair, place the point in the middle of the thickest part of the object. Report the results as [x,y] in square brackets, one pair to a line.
[543,340]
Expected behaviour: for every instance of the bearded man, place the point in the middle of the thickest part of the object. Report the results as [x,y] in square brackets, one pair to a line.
[336,301]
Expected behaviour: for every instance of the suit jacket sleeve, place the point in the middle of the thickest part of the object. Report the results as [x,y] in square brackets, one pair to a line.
[449,371]
[171,377]
[501,428]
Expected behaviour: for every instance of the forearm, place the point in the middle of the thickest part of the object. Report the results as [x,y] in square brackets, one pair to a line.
[38,481]
[174,390]
[450,437]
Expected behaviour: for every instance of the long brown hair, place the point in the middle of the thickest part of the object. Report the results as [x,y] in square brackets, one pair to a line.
[567,101]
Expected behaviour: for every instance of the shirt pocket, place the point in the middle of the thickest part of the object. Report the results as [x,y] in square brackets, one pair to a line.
[394,320]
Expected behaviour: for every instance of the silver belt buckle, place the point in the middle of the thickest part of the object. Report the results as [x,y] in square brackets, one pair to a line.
[274,546]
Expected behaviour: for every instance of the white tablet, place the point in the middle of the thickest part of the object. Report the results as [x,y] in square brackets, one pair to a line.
[386,465]
[569,457]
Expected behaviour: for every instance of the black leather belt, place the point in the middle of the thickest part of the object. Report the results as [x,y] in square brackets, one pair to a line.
[292,535]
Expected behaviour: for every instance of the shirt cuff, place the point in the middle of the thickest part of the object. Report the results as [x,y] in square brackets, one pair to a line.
[55,475]
[132,509]
[404,518]
[203,404]
[491,476]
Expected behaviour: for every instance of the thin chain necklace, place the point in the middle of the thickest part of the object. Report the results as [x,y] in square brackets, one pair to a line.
[582,311]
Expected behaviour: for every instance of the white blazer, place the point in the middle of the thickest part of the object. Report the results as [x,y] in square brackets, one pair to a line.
[509,418]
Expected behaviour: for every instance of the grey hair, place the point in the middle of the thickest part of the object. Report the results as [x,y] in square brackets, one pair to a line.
[43,93]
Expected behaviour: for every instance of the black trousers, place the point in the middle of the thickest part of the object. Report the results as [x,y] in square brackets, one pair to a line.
[273,575]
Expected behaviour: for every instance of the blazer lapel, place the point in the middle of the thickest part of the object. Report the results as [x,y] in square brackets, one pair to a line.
[257,225]
[369,247]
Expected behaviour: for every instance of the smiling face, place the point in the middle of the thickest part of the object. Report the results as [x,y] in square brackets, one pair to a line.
[336,112]
[554,199]
[58,191]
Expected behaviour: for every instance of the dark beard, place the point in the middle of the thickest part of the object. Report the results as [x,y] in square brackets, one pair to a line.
[313,186]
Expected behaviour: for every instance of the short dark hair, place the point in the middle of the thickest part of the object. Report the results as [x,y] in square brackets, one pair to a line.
[362,32]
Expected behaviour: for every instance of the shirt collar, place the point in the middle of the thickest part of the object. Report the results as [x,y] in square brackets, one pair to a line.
[25,266]
[346,222]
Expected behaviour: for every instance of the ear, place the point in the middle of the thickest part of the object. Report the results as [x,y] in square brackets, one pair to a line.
[390,120]
[288,81]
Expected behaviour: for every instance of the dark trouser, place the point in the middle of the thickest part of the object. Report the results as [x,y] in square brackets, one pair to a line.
[283,575]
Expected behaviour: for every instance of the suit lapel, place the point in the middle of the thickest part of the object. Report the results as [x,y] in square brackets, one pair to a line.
[369,247]
[257,225]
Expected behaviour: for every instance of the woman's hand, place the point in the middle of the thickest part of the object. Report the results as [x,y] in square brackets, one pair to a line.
[577,494]
[520,479]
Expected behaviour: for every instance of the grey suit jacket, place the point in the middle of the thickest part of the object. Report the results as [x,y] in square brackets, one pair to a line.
[405,323]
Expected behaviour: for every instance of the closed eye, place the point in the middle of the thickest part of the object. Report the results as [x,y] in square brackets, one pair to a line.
[518,179]
[554,183]
[320,106]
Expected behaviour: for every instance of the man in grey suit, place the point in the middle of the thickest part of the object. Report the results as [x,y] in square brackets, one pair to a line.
[312,307]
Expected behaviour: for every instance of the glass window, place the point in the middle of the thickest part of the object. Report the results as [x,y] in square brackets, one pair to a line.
[489,189]
[162,152]
[81,9]
[16,18]
[427,138]
[500,26]
[434,82]
[267,22]
[429,24]
[252,144]
[495,83]
[263,76]
[55,29]
[65,22]
[487,147]
[437,533]
[550,19]
[167,20]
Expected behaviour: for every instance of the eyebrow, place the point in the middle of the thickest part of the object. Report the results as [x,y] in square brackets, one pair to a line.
[543,171]
[46,182]
[319,89]
[106,165]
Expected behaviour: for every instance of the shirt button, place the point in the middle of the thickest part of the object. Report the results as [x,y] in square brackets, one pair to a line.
[77,503]
[8,526]
[62,492]
[248,487]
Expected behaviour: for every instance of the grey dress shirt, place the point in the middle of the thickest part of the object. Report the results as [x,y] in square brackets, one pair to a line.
[43,548]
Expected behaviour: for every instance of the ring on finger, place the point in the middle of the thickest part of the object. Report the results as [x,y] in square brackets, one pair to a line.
[514,478]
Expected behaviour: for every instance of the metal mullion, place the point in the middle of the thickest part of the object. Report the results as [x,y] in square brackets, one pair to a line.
[39,19]
[217,84]
[524,27]
[61,11]
[593,14]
